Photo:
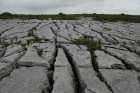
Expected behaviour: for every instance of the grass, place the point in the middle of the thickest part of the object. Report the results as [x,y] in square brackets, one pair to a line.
[7,44]
[76,83]
[5,38]
[47,51]
[138,53]
[91,44]
[35,40]
[108,29]
[61,16]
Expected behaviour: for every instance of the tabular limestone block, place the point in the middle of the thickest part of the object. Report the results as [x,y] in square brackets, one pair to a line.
[13,49]
[5,69]
[45,34]
[26,80]
[129,58]
[122,81]
[106,61]
[32,58]
[63,75]
[81,61]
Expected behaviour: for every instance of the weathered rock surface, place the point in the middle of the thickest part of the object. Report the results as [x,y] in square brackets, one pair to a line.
[105,61]
[39,46]
[26,80]
[129,58]
[38,55]
[63,75]
[122,81]
[86,75]
[45,34]
[5,69]
[13,49]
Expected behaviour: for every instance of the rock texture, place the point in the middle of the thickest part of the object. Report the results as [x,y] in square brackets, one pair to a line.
[39,56]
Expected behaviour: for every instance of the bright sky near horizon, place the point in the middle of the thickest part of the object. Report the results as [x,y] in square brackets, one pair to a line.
[131,7]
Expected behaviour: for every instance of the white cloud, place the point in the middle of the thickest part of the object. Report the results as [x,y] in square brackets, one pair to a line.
[70,7]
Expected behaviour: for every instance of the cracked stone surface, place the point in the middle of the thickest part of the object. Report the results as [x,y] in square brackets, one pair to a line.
[51,63]
[122,81]
[32,58]
[5,69]
[63,75]
[86,75]
[105,61]
[25,80]
[129,58]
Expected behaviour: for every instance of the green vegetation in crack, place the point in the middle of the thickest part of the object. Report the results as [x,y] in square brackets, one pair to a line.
[4,38]
[30,33]
[7,44]
[47,51]
[76,83]
[90,43]
[31,41]
[24,48]
[108,29]
[67,27]
[138,53]
[100,76]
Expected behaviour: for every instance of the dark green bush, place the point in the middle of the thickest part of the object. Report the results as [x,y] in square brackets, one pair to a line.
[91,44]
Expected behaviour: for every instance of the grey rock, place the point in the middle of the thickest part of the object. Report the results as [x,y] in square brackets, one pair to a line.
[61,60]
[2,51]
[109,39]
[81,61]
[13,49]
[31,58]
[62,40]
[5,69]
[63,82]
[83,47]
[45,34]
[115,46]
[122,81]
[106,61]
[12,59]
[19,29]
[90,82]
[81,58]
[63,75]
[26,80]
[129,58]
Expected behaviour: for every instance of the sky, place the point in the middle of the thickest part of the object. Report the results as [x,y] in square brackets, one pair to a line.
[131,7]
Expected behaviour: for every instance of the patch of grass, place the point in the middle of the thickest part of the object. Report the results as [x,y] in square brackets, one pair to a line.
[6,44]
[30,41]
[35,40]
[90,43]
[108,29]
[47,51]
[30,33]
[99,75]
[5,38]
[138,53]
[67,27]
[76,83]
[24,48]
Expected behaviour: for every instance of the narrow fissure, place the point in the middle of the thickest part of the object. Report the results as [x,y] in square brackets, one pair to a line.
[51,71]
[95,67]
[78,88]
[128,67]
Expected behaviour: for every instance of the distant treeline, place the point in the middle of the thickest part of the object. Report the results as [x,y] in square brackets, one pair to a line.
[62,16]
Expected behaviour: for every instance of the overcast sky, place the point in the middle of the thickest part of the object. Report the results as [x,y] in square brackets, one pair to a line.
[70,6]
